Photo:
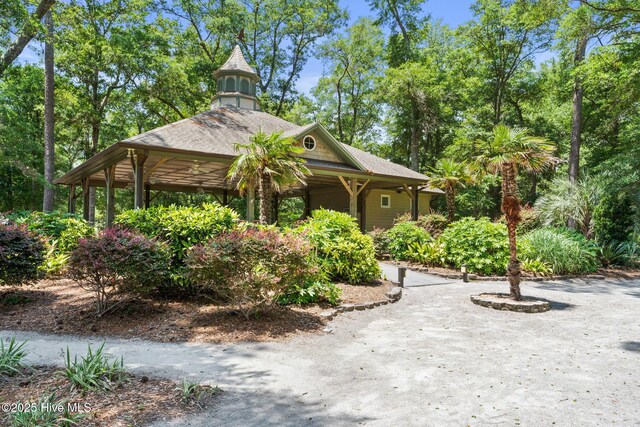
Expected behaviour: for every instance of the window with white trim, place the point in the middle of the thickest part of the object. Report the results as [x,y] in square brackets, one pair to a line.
[309,143]
[385,201]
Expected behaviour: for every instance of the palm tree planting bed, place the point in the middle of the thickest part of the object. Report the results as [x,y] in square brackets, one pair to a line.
[506,303]
[61,307]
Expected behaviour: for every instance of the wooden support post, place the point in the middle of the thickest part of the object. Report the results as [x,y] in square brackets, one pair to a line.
[414,205]
[276,207]
[137,163]
[225,197]
[71,206]
[147,195]
[307,203]
[353,197]
[251,203]
[109,179]
[85,198]
[363,210]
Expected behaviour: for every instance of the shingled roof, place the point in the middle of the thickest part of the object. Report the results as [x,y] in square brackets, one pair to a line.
[217,132]
[235,63]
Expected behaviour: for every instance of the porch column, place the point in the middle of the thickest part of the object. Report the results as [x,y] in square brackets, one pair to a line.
[137,163]
[110,178]
[85,198]
[414,206]
[147,195]
[225,196]
[276,207]
[251,199]
[363,210]
[353,197]
[307,203]
[71,206]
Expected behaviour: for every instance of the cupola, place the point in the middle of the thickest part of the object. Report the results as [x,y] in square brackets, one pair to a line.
[236,83]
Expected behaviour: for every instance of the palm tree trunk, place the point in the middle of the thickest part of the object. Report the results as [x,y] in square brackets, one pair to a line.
[451,204]
[511,209]
[266,202]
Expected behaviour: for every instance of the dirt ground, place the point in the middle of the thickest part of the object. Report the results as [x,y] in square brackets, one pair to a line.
[136,401]
[61,306]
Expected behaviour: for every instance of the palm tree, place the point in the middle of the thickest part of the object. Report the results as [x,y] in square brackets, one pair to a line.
[568,201]
[448,175]
[270,163]
[508,151]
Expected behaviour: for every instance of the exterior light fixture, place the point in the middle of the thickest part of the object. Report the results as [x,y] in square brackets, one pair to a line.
[465,273]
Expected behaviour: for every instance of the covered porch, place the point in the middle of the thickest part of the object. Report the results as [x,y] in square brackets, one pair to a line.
[149,171]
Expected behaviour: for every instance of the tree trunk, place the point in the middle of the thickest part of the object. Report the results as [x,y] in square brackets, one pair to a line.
[511,209]
[48,199]
[95,137]
[27,32]
[415,147]
[576,117]
[266,201]
[451,203]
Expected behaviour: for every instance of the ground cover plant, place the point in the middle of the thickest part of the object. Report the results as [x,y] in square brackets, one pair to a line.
[116,263]
[343,251]
[94,390]
[11,356]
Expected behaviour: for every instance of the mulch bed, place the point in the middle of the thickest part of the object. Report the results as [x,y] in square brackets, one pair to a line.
[136,401]
[62,307]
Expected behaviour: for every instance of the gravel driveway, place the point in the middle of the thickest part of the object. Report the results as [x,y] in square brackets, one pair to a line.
[433,358]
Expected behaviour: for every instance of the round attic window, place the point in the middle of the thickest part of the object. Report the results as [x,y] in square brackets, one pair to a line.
[309,142]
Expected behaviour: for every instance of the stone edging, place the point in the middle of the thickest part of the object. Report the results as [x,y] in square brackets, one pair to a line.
[393,295]
[501,302]
[475,277]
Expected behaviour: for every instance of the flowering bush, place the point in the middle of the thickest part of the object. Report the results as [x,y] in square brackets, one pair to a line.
[252,268]
[345,253]
[118,262]
[21,253]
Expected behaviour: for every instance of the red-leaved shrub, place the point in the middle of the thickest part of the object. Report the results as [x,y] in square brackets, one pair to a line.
[21,253]
[118,262]
[253,267]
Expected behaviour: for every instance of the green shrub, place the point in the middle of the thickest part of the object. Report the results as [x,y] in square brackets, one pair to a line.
[181,227]
[613,218]
[434,223]
[380,239]
[94,371]
[21,253]
[11,357]
[345,253]
[402,236]
[430,253]
[60,233]
[536,267]
[40,413]
[480,244]
[66,229]
[312,291]
[565,250]
[118,262]
[252,268]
